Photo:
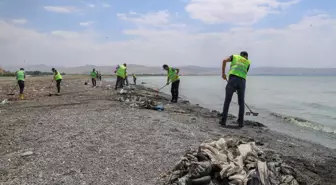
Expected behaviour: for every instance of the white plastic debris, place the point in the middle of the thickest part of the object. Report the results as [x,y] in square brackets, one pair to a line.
[4,101]
[28,153]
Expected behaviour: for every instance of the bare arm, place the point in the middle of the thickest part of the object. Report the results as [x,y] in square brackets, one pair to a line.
[224,64]
[177,71]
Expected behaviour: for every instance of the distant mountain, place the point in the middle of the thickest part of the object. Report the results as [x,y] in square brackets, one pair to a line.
[185,70]
[132,68]
[293,71]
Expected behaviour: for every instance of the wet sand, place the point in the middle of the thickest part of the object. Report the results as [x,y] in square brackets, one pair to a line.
[87,136]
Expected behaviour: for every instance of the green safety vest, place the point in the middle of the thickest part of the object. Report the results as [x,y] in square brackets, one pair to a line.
[121,71]
[93,74]
[239,66]
[20,75]
[172,74]
[58,76]
[134,76]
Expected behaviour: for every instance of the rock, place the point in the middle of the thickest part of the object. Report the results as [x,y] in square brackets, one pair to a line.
[28,153]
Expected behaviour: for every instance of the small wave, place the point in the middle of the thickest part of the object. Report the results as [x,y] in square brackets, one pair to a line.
[305,123]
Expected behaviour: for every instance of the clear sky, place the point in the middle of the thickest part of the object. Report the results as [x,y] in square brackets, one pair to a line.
[280,33]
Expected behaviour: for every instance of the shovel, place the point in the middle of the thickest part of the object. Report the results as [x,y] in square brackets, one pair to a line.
[12,92]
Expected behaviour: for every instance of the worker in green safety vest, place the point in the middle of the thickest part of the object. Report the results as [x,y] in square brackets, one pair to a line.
[20,77]
[58,78]
[121,74]
[134,78]
[94,78]
[239,67]
[126,78]
[174,79]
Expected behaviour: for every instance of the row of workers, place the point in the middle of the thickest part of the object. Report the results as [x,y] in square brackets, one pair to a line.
[21,76]
[235,83]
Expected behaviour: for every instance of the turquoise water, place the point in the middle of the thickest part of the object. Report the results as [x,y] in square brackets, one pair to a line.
[303,107]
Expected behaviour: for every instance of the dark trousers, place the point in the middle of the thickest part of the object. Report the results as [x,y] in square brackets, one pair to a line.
[175,89]
[134,80]
[119,82]
[94,82]
[58,85]
[21,86]
[234,84]
[126,80]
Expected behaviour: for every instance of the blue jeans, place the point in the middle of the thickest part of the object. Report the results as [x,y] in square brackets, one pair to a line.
[234,84]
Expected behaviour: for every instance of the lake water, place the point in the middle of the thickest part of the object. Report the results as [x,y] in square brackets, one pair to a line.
[303,107]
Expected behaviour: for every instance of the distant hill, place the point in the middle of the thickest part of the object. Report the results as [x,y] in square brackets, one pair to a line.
[185,70]
[132,68]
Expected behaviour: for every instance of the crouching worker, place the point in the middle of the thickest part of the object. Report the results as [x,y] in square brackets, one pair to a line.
[58,79]
[20,77]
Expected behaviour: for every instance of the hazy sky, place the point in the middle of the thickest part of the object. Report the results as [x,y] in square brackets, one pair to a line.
[289,33]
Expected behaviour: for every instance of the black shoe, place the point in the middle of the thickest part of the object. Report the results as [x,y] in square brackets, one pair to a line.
[240,123]
[222,122]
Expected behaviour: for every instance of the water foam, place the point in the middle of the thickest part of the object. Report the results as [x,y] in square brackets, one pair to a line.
[305,123]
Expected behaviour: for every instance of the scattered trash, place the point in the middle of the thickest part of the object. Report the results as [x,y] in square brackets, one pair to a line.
[158,108]
[134,105]
[192,119]
[185,102]
[28,153]
[231,161]
[4,101]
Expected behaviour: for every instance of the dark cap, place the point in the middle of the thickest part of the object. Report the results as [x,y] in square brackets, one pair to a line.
[21,69]
[244,54]
[165,66]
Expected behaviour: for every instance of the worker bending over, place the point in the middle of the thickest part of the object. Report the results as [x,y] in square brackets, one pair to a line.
[20,77]
[240,65]
[174,79]
[58,79]
[121,74]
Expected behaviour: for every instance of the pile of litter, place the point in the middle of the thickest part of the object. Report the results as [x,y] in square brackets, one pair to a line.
[230,161]
[139,99]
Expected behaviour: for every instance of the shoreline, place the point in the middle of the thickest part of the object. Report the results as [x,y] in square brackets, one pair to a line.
[91,135]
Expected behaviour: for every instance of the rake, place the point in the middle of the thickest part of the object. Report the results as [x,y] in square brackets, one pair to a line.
[12,92]
[251,112]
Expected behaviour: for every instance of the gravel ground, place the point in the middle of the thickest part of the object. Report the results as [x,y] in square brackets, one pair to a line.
[85,136]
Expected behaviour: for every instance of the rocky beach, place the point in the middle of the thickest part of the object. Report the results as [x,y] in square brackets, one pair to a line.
[102,136]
